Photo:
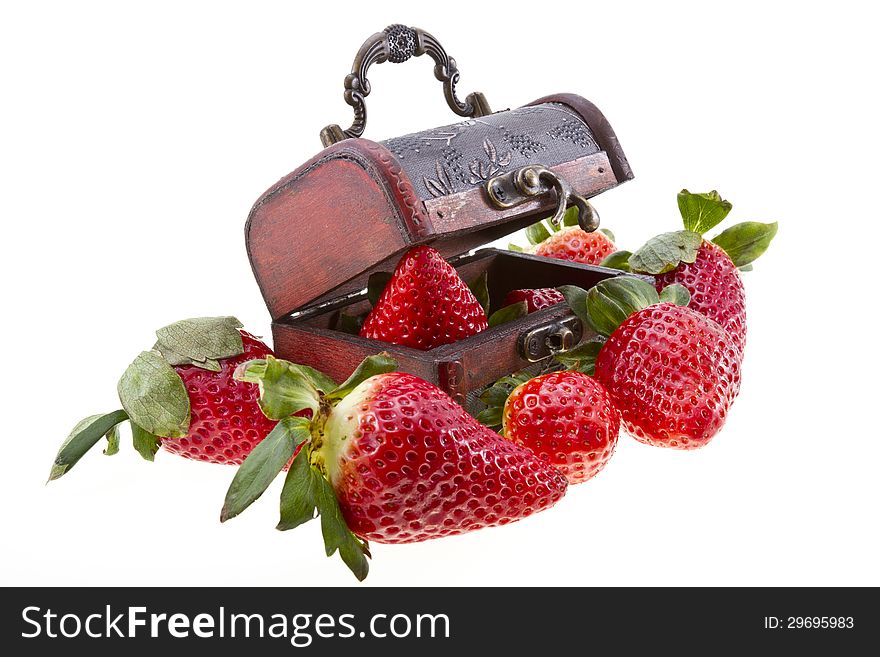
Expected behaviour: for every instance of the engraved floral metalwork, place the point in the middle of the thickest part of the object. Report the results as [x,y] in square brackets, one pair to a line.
[482,170]
[442,185]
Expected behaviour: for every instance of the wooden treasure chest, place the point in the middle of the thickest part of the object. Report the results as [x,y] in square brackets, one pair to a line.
[315,237]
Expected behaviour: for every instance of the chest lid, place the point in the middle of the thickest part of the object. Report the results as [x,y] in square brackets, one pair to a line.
[355,207]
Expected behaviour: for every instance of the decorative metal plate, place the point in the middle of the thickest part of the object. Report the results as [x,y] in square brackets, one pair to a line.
[464,155]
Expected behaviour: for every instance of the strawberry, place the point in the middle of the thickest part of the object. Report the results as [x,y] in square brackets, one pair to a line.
[716,289]
[225,418]
[182,396]
[565,418]
[424,305]
[570,241]
[390,458]
[535,299]
[708,269]
[672,372]
[576,245]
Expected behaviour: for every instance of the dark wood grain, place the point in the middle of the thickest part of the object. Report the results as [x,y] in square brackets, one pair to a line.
[338,354]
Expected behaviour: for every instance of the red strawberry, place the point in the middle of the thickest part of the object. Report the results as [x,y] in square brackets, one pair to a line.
[672,372]
[535,299]
[716,289]
[409,464]
[576,245]
[425,304]
[396,458]
[182,395]
[225,418]
[707,269]
[570,241]
[565,418]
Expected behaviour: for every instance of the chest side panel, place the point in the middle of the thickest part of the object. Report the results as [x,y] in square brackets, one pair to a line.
[317,229]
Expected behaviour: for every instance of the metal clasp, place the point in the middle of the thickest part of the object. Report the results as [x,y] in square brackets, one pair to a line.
[545,341]
[524,184]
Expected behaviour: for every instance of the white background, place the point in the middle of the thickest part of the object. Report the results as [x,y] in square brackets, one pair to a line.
[135,138]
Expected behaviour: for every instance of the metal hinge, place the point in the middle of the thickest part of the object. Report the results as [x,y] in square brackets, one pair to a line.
[554,338]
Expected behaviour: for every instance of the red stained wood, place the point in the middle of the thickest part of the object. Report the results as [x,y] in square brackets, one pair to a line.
[330,221]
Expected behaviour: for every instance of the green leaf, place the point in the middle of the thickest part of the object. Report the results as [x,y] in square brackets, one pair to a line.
[610,302]
[84,436]
[608,234]
[664,253]
[498,392]
[495,396]
[112,437]
[253,371]
[285,388]
[571,217]
[702,212]
[746,268]
[376,284]
[316,377]
[337,535]
[617,260]
[582,357]
[508,313]
[480,288]
[350,324]
[491,416]
[746,242]
[370,366]
[263,464]
[675,293]
[306,491]
[515,248]
[576,298]
[537,233]
[154,397]
[145,443]
[299,497]
[173,358]
[201,341]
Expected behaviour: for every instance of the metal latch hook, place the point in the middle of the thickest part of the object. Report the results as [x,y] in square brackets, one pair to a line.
[526,183]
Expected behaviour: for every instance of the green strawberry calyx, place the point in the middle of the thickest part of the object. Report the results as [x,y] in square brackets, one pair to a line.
[700,213]
[605,307]
[495,397]
[287,392]
[153,397]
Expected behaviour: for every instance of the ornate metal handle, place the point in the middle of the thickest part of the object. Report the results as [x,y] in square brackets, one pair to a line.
[511,189]
[396,44]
